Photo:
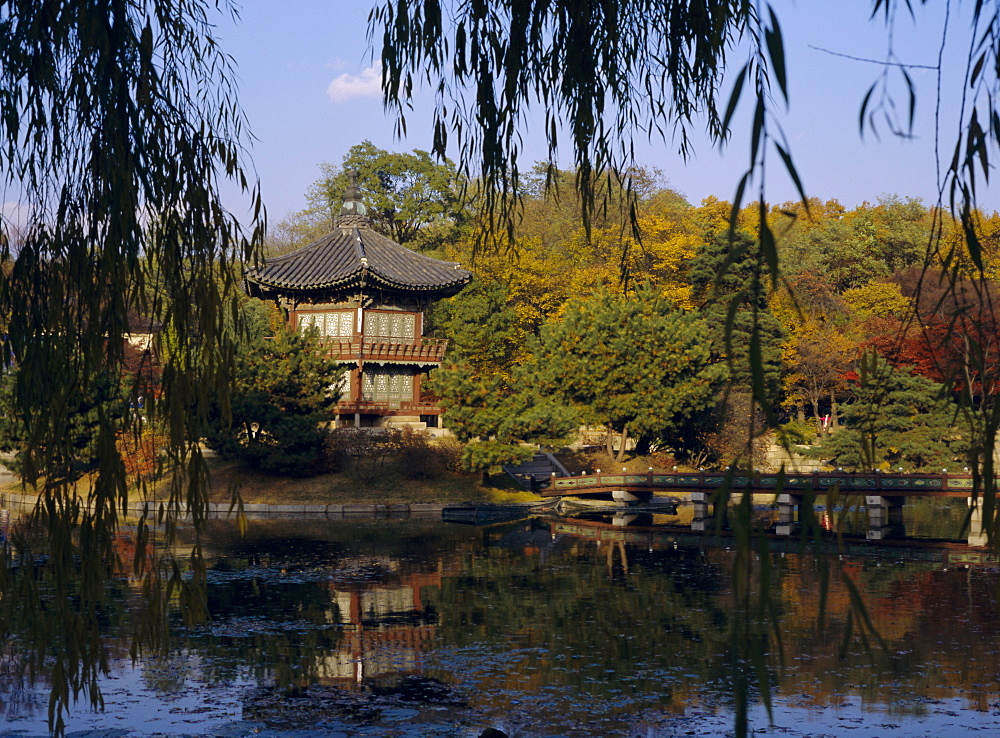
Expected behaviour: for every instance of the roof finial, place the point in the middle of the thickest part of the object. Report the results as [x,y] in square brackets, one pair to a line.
[352,192]
[353,212]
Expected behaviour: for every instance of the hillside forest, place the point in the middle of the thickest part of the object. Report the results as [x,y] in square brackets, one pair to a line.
[645,322]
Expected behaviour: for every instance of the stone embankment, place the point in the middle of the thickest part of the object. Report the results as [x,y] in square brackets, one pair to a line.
[421,510]
[778,457]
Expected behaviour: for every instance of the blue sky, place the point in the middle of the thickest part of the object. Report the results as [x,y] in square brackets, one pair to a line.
[306,87]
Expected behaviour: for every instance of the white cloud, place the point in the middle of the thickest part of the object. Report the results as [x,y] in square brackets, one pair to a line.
[349,86]
[336,64]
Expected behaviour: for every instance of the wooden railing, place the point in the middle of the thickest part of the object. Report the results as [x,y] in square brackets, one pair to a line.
[430,350]
[369,407]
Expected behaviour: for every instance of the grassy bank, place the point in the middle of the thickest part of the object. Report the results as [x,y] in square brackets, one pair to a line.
[383,483]
[376,483]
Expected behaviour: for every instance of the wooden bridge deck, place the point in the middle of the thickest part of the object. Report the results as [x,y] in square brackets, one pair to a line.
[900,485]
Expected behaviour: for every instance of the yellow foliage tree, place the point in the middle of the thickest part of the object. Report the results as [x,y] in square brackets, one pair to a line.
[879,300]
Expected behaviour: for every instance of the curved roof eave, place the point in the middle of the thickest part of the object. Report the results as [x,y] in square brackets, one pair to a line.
[358,257]
[361,277]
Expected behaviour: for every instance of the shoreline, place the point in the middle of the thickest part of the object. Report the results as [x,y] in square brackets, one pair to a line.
[407,510]
[378,492]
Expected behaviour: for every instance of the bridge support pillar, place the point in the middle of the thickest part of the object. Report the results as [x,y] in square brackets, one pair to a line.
[625,498]
[885,517]
[623,520]
[701,521]
[977,530]
[787,508]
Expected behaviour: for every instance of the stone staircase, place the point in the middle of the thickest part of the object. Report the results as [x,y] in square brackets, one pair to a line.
[778,456]
[536,471]
[399,422]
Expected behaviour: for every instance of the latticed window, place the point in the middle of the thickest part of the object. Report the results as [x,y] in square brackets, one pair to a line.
[386,384]
[336,324]
[390,325]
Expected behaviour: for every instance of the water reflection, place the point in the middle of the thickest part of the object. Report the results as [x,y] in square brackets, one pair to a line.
[567,627]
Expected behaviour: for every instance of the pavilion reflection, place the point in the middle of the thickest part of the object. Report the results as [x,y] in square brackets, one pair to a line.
[386,628]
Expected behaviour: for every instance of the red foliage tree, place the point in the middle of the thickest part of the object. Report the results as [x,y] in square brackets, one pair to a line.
[953,338]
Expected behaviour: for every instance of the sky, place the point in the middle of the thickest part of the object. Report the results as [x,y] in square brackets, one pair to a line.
[309,91]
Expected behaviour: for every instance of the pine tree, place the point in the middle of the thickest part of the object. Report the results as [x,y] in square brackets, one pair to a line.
[897,419]
[635,364]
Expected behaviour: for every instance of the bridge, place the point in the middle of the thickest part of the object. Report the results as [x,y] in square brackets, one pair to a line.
[644,485]
[884,494]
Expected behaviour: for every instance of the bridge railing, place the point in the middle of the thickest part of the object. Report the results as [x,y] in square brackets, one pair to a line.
[846,482]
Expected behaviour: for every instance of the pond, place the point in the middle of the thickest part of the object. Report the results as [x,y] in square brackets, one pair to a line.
[551,627]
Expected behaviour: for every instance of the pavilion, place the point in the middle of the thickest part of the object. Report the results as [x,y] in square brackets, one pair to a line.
[366,295]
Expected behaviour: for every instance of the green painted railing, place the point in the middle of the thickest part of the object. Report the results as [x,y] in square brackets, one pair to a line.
[846,482]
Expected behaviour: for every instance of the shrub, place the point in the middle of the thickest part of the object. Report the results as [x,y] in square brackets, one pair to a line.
[449,451]
[416,457]
[359,450]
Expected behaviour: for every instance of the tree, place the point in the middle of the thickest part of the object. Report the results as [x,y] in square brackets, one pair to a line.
[669,242]
[284,394]
[141,456]
[78,451]
[551,257]
[878,240]
[950,337]
[897,419]
[730,287]
[485,335]
[806,237]
[495,417]
[409,197]
[491,402]
[635,364]
[879,300]
[296,230]
[818,363]
[120,121]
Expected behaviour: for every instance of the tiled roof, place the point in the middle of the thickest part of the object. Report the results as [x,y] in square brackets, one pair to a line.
[357,257]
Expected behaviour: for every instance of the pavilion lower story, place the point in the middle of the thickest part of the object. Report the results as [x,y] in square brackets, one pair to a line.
[385,396]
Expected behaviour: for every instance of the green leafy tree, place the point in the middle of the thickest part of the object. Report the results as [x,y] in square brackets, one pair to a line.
[284,394]
[485,334]
[635,364]
[806,236]
[409,197]
[730,286]
[884,238]
[490,400]
[495,418]
[897,419]
[851,248]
